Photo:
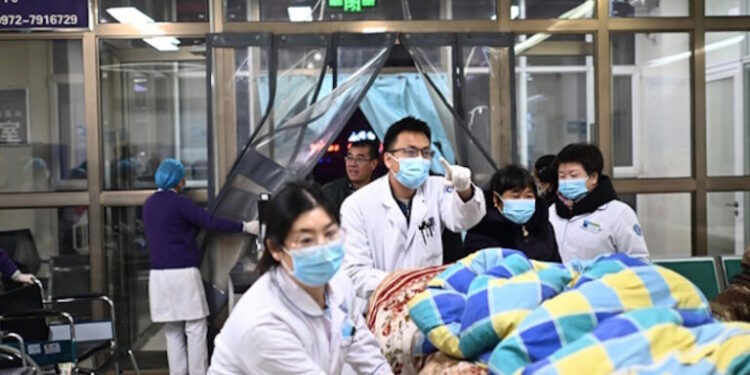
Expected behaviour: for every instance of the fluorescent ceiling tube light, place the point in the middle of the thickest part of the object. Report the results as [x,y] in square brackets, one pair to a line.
[300,14]
[373,30]
[163,43]
[582,11]
[129,15]
[684,55]
[133,16]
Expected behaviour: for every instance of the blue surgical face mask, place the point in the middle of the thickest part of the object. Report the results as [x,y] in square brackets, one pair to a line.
[573,189]
[315,266]
[519,211]
[413,172]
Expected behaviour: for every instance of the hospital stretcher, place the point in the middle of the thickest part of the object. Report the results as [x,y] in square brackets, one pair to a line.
[611,314]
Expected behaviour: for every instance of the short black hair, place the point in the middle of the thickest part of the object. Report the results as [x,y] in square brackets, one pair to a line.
[512,177]
[293,200]
[589,156]
[545,169]
[373,146]
[406,124]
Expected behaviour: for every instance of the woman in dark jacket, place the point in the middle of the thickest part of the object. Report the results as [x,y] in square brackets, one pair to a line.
[518,221]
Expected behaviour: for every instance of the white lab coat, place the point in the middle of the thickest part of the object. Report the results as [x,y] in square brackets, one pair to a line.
[277,328]
[378,240]
[176,295]
[612,228]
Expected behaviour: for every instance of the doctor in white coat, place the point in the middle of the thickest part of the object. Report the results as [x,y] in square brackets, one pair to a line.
[396,222]
[587,218]
[298,318]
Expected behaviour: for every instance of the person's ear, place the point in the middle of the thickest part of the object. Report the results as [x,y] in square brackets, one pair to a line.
[497,201]
[274,249]
[592,181]
[594,178]
[390,162]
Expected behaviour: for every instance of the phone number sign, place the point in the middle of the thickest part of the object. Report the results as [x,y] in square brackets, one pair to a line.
[44,14]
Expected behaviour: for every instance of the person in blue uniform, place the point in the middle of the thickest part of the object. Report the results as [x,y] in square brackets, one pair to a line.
[176,293]
[519,219]
[9,270]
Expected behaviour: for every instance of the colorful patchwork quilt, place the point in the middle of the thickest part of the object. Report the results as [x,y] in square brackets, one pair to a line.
[508,314]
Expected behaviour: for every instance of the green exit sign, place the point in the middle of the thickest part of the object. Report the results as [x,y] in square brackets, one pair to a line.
[353,6]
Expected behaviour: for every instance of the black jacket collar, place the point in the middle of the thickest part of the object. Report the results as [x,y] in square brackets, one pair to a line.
[602,194]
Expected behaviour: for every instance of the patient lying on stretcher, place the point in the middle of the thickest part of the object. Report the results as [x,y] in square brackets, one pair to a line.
[497,311]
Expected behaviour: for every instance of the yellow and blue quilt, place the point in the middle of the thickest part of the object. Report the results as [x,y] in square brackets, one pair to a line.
[516,315]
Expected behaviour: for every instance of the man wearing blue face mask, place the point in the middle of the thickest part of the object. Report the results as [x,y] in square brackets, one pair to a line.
[396,222]
[587,217]
[519,219]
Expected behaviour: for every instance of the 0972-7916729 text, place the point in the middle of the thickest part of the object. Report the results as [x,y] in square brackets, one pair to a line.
[38,19]
[44,14]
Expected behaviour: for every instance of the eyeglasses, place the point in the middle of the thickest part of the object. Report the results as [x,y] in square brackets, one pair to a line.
[306,240]
[411,152]
[357,160]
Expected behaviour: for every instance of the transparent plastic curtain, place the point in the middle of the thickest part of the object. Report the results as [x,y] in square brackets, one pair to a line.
[300,65]
[481,97]
[288,143]
[247,84]
[295,65]
[301,140]
[395,96]
[465,80]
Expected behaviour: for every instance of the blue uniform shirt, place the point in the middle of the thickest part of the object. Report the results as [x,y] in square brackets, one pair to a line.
[172,222]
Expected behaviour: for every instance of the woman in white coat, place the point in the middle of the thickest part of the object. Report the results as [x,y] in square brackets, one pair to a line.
[298,318]
[587,217]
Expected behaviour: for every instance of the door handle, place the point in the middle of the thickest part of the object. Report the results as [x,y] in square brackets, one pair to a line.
[733,205]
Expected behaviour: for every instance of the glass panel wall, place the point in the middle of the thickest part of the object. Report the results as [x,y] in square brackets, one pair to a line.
[651,96]
[669,8]
[145,11]
[544,9]
[554,94]
[666,222]
[352,10]
[728,103]
[42,119]
[153,106]
[51,243]
[728,226]
[727,7]
[128,266]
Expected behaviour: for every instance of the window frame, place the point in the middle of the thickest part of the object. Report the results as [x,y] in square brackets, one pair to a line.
[633,170]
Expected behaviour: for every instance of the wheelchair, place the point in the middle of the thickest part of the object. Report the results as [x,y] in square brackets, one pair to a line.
[37,337]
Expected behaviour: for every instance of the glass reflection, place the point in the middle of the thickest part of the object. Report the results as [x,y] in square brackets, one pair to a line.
[153,106]
[42,116]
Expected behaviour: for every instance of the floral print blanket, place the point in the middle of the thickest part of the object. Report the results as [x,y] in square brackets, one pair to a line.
[388,319]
